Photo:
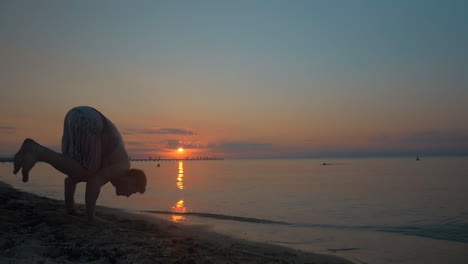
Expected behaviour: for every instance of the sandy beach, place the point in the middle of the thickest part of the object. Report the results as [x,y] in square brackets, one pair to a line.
[36,229]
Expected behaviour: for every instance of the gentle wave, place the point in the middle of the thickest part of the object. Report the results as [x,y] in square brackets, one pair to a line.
[222,217]
[444,231]
[453,232]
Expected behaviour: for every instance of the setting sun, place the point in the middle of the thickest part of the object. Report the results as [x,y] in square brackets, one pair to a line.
[180,150]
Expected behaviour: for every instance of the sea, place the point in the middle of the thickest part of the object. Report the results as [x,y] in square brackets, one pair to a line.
[369,210]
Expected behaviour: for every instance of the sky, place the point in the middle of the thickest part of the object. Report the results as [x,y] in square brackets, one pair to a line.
[241,79]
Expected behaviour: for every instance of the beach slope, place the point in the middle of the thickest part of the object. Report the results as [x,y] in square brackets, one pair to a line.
[35,229]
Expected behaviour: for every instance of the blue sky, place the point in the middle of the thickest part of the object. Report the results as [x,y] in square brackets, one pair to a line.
[247,78]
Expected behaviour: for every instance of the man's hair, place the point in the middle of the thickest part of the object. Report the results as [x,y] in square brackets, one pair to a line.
[140,179]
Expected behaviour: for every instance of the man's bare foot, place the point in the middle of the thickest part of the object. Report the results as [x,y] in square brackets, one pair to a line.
[26,158]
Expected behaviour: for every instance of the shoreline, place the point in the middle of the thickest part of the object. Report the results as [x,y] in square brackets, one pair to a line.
[36,229]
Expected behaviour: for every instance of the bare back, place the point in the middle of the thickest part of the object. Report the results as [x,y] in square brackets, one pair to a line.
[113,147]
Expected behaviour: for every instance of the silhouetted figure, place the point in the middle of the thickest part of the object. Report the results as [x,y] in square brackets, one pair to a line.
[417,158]
[92,151]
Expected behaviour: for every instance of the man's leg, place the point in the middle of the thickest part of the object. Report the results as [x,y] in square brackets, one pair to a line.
[32,152]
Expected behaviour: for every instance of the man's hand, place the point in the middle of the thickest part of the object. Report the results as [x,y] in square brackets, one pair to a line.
[93,188]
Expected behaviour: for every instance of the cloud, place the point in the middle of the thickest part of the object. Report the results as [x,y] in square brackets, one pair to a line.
[431,137]
[241,147]
[136,148]
[424,138]
[133,143]
[141,148]
[175,144]
[7,129]
[159,131]
[171,144]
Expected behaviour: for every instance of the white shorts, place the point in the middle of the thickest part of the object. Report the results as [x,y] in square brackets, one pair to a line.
[81,139]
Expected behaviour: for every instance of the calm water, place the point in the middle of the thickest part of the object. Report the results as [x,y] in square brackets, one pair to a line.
[371,210]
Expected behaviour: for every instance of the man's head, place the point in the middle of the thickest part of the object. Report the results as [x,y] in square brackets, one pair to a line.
[134,181]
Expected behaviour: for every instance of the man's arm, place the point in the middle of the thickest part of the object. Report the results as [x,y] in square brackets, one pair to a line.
[93,188]
[94,184]
[70,187]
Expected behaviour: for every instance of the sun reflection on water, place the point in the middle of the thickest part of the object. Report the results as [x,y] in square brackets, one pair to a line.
[179,207]
[180,176]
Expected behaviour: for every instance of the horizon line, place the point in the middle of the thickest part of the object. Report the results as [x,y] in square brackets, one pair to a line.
[8,158]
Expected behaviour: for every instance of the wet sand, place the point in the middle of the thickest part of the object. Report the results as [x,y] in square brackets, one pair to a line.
[36,229]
